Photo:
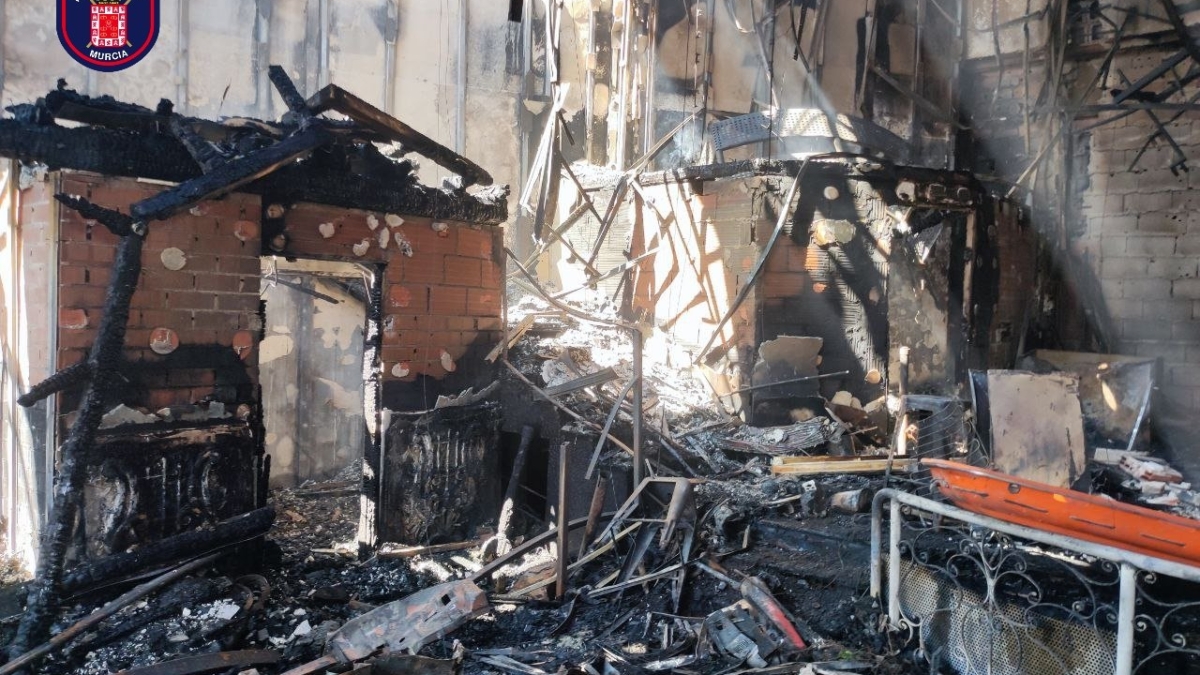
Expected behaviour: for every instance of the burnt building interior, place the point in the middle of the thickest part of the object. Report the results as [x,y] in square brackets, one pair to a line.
[603,336]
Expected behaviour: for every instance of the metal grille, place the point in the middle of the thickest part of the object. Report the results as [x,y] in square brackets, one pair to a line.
[980,600]
[960,629]
[805,123]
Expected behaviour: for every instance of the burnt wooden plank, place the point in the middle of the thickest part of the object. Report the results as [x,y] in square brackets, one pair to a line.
[337,99]
[230,176]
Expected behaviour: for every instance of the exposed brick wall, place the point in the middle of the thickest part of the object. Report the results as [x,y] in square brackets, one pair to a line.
[210,304]
[440,304]
[37,232]
[1141,238]
[690,283]
[1132,235]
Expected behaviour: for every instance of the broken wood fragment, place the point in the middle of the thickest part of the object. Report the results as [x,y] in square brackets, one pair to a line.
[231,175]
[590,380]
[810,466]
[333,97]
[104,360]
[201,150]
[414,551]
[287,91]
[116,222]
[576,416]
[234,530]
[205,663]
[511,338]
[65,379]
[1149,470]
[500,544]
[104,612]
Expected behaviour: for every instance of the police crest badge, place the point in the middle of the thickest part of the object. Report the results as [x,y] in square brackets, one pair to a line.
[108,35]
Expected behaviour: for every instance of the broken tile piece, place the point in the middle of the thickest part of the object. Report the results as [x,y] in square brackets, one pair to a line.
[164,341]
[173,259]
[372,222]
[360,249]
[327,230]
[393,220]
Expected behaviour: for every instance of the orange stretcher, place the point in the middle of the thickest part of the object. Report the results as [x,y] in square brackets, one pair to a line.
[1092,518]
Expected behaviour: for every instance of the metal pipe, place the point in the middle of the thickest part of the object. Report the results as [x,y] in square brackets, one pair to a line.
[181,57]
[1126,615]
[390,37]
[781,383]
[894,564]
[560,581]
[637,406]
[1118,555]
[649,77]
[460,126]
[50,439]
[323,51]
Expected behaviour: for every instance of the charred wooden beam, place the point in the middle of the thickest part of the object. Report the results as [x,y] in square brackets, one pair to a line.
[118,223]
[1177,22]
[104,361]
[331,178]
[335,98]
[201,150]
[103,151]
[287,89]
[67,378]
[231,176]
[234,530]
[76,629]
[206,663]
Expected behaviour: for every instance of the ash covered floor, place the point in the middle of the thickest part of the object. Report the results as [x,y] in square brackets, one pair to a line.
[814,562]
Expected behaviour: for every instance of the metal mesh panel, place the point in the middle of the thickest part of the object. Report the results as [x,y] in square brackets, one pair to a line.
[958,629]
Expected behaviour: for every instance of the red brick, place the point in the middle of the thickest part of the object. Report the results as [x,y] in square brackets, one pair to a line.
[391,354]
[474,243]
[400,296]
[201,335]
[427,242]
[222,283]
[447,300]
[491,276]
[72,319]
[428,324]
[460,323]
[84,297]
[483,302]
[167,280]
[191,300]
[783,284]
[72,275]
[76,339]
[433,368]
[238,302]
[777,261]
[425,268]
[224,322]
[239,264]
[462,271]
[201,262]
[398,324]
[69,357]
[149,318]
[246,230]
[489,323]
[71,251]
[797,258]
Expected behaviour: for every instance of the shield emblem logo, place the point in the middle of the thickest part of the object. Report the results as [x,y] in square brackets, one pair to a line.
[108,35]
